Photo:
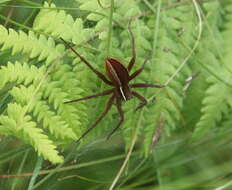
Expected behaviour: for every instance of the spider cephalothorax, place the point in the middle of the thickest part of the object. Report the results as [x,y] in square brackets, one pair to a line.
[119,78]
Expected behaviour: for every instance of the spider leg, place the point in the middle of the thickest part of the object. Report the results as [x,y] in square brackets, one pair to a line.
[104,93]
[107,108]
[132,61]
[121,113]
[137,72]
[144,85]
[100,75]
[141,98]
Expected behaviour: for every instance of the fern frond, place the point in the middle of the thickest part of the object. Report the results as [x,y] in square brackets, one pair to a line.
[77,75]
[227,28]
[122,10]
[169,53]
[18,124]
[214,105]
[217,100]
[93,7]
[71,83]
[30,44]
[41,111]
[61,24]
[20,73]
[43,99]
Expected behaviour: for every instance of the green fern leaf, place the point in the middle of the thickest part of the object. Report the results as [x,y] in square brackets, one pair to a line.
[169,101]
[61,24]
[20,73]
[215,104]
[56,125]
[30,44]
[18,124]
[217,100]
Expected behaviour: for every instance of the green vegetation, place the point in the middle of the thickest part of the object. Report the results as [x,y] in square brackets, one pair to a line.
[180,38]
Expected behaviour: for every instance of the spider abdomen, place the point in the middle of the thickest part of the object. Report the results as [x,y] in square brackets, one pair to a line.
[117,73]
[119,76]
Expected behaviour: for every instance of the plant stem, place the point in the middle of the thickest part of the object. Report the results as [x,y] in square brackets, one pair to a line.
[108,47]
[36,171]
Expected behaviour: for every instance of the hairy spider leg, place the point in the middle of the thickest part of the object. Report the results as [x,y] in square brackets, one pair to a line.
[100,75]
[137,72]
[103,114]
[132,61]
[121,113]
[104,93]
[141,98]
[144,85]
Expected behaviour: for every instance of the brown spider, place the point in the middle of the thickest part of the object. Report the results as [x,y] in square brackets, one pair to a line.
[119,78]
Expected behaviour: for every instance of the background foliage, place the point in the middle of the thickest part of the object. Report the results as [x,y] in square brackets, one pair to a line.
[38,73]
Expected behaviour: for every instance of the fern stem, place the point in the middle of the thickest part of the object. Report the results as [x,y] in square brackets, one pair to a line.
[29,2]
[59,168]
[198,12]
[48,8]
[149,5]
[15,181]
[157,23]
[15,23]
[108,47]
[154,46]
[33,13]
[128,156]
[22,26]
[213,73]
[36,171]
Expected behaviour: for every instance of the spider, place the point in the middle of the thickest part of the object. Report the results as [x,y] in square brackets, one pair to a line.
[119,78]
